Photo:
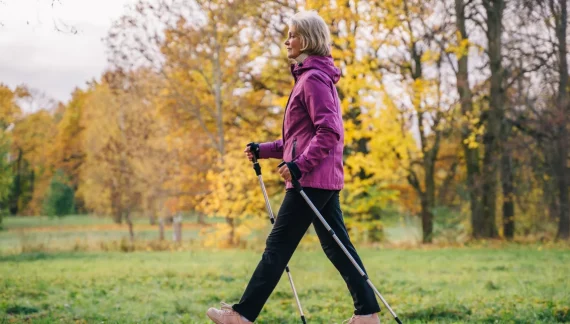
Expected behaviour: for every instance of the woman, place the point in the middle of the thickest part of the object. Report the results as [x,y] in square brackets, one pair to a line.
[312,146]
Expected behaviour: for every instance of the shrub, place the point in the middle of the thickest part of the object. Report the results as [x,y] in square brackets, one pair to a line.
[60,198]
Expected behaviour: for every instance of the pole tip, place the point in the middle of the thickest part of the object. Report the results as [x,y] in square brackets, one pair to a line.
[398,320]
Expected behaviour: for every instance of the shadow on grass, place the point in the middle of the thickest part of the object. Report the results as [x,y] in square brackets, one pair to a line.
[438,314]
[443,314]
[21,310]
[38,256]
[555,314]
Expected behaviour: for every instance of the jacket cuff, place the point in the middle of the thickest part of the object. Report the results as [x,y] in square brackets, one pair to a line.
[296,172]
[302,164]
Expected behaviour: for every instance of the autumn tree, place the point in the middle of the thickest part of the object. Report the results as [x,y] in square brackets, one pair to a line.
[32,138]
[68,152]
[544,100]
[412,69]
[9,111]
[207,66]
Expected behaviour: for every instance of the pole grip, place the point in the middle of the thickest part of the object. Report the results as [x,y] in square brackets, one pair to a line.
[256,165]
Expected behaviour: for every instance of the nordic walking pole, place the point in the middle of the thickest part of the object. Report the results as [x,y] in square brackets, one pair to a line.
[257,169]
[299,189]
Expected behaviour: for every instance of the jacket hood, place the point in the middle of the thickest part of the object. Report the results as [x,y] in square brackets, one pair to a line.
[322,63]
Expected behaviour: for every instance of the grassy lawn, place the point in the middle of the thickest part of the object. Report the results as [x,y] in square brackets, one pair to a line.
[513,285]
[516,284]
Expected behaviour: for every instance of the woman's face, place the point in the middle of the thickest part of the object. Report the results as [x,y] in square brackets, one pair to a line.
[293,43]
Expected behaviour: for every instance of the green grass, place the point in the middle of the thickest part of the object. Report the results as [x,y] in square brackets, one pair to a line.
[517,284]
[514,285]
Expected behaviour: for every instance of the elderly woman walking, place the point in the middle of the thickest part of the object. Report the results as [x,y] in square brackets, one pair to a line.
[312,145]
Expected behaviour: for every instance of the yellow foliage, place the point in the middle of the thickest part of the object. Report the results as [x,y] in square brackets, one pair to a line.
[460,48]
[32,137]
[9,110]
[430,56]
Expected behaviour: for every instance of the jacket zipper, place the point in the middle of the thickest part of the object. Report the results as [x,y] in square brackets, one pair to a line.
[285,112]
[294,147]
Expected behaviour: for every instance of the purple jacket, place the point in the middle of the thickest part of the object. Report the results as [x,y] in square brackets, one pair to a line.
[313,132]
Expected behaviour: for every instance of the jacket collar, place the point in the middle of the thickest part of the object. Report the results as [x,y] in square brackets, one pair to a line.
[301,58]
[297,62]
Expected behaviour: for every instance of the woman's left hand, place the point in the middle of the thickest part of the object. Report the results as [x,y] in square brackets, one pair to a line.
[285,173]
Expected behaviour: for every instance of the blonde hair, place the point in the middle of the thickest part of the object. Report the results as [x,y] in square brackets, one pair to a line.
[313,31]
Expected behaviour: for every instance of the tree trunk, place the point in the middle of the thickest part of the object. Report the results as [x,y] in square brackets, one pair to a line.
[428,203]
[200,218]
[32,182]
[562,179]
[219,118]
[151,214]
[17,191]
[161,229]
[508,195]
[507,180]
[563,104]
[427,220]
[487,227]
[116,206]
[494,117]
[231,236]
[466,100]
[429,154]
[177,229]
[550,183]
[130,224]
[445,194]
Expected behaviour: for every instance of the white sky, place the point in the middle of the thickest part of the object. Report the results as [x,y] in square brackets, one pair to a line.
[34,53]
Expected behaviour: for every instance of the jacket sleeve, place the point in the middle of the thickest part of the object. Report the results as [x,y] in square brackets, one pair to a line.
[326,118]
[271,150]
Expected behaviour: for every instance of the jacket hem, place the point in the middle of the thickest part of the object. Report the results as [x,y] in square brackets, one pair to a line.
[316,185]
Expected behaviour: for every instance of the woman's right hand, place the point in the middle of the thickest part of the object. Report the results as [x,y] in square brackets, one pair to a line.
[250,149]
[248,153]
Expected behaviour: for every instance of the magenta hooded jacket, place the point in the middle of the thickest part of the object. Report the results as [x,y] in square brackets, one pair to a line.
[313,132]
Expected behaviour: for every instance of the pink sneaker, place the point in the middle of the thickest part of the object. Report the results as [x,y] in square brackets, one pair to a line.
[226,315]
[359,319]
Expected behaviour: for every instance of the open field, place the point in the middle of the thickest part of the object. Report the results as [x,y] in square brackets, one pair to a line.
[512,284]
[40,234]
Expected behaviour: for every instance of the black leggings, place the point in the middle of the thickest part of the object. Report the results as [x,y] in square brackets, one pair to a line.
[293,220]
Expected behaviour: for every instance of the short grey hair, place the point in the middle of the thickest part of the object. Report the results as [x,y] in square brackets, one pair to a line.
[313,31]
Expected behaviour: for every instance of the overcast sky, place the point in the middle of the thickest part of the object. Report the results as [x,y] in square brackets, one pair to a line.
[55,62]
